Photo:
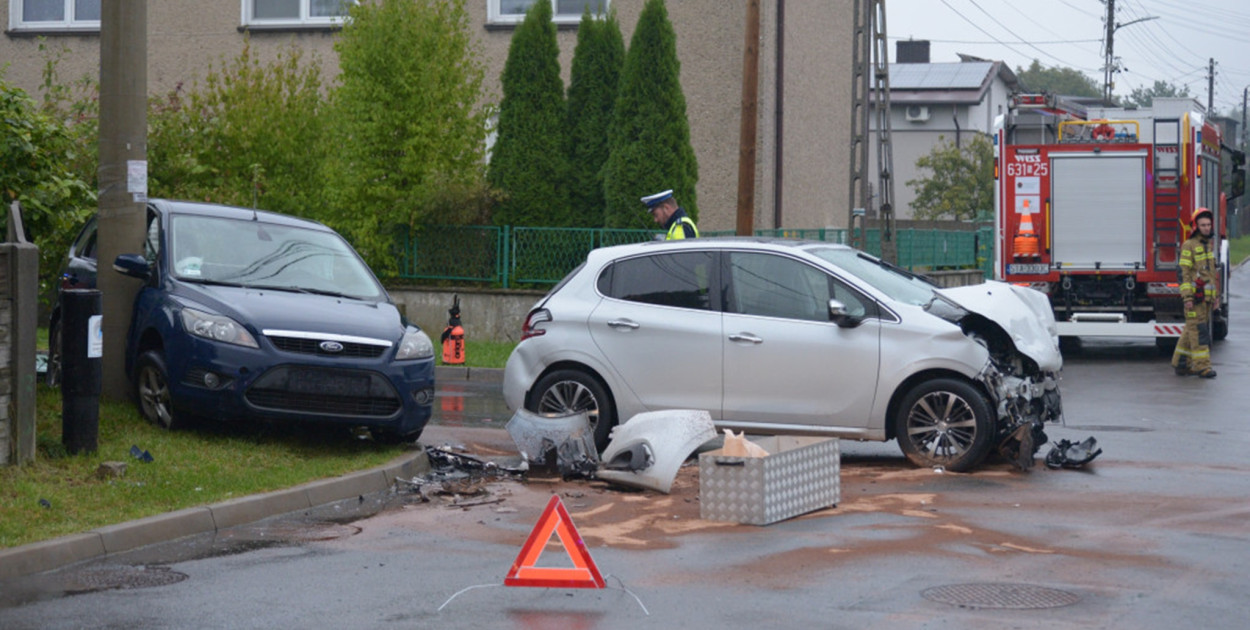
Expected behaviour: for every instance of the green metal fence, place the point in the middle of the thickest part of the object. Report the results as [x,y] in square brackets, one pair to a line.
[512,256]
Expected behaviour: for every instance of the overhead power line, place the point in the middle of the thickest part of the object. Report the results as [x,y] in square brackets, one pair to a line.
[984,42]
[1005,44]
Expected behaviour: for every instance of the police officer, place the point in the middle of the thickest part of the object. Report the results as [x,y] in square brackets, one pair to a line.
[666,212]
[1198,290]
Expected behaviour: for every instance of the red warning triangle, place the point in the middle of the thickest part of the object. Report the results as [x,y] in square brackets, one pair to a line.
[555,520]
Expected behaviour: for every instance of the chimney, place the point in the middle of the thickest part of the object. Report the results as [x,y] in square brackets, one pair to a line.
[912,51]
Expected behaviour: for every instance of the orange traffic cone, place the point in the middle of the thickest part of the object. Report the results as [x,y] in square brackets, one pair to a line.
[1026,244]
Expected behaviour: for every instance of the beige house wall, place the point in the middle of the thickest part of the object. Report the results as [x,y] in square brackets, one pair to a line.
[186,37]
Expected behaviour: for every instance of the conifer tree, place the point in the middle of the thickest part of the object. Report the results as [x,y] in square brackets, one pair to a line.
[529,165]
[649,138]
[406,123]
[595,73]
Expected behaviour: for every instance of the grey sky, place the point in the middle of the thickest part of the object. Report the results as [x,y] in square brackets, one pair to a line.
[1175,47]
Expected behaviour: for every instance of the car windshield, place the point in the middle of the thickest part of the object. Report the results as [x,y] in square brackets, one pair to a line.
[895,282]
[217,250]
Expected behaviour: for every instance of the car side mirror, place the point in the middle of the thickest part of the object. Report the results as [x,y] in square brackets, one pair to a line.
[839,316]
[132,265]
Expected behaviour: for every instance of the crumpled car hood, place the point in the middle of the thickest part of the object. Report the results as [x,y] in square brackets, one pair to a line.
[1024,313]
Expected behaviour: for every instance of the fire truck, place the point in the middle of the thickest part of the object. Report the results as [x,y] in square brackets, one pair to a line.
[1092,205]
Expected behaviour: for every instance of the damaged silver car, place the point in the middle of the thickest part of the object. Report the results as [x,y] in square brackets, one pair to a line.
[792,337]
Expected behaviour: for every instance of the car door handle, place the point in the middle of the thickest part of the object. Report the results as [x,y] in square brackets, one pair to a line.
[623,323]
[746,337]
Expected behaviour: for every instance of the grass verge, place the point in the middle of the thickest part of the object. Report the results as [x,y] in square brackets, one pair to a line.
[1238,249]
[60,494]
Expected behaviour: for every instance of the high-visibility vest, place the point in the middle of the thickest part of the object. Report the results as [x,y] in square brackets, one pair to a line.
[676,232]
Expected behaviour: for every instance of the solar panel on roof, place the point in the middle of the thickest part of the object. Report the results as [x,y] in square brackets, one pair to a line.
[938,76]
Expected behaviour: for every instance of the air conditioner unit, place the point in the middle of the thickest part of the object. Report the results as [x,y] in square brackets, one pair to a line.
[917,113]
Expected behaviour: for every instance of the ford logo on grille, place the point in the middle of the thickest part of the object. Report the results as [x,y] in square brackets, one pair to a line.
[332,347]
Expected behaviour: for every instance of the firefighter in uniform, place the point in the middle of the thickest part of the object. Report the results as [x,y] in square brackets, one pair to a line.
[666,212]
[1198,290]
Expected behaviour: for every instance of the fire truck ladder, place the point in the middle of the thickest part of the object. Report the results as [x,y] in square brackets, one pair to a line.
[1167,193]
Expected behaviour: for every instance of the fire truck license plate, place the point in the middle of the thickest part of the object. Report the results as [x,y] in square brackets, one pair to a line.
[1030,269]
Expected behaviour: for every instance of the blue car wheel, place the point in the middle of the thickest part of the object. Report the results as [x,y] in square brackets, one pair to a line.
[152,390]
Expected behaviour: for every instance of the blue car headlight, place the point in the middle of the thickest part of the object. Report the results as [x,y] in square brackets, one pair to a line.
[216,327]
[415,345]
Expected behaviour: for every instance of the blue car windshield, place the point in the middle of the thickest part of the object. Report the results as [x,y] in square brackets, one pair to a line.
[256,254]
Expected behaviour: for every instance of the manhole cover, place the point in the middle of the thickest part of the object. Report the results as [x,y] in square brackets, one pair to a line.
[1108,427]
[121,577]
[1012,596]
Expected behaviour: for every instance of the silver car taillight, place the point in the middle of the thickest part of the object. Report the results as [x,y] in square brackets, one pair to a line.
[531,328]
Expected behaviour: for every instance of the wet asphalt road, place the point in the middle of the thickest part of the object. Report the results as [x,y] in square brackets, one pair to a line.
[1151,535]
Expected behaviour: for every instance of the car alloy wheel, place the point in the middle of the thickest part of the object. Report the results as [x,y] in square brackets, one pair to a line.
[944,422]
[566,392]
[152,390]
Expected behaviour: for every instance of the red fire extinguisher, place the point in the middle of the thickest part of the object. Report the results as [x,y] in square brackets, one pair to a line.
[453,336]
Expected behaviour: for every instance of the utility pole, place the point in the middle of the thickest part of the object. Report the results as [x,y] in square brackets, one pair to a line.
[870,73]
[1110,65]
[1108,62]
[1243,116]
[747,129]
[1211,86]
[122,174]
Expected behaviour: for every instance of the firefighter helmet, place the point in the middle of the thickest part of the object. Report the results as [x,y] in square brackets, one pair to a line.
[1193,220]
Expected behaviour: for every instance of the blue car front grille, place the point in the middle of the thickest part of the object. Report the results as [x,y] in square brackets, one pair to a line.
[350,350]
[323,391]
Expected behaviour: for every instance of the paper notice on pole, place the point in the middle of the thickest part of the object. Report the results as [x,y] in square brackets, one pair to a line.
[95,337]
[137,179]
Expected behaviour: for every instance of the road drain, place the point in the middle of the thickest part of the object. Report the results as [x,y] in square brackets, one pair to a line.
[1010,596]
[121,577]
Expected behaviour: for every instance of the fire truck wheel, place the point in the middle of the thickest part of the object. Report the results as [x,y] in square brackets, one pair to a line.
[572,391]
[1070,345]
[1166,345]
[944,422]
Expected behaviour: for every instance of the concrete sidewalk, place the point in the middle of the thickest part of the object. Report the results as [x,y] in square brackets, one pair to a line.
[60,552]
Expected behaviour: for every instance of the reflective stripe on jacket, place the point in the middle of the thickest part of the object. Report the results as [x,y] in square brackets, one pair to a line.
[676,231]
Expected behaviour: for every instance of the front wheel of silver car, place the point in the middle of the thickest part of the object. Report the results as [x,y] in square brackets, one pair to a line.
[944,423]
[152,390]
[564,392]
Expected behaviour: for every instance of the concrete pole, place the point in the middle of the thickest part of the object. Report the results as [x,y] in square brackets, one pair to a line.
[1211,87]
[748,122]
[123,173]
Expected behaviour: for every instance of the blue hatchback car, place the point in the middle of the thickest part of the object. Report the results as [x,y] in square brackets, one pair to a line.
[246,314]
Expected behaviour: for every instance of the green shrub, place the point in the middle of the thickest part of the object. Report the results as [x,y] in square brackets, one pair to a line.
[249,135]
[650,135]
[406,123]
[528,163]
[37,153]
[594,77]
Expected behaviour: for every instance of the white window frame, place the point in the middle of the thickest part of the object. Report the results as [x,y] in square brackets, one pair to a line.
[305,18]
[495,16]
[17,21]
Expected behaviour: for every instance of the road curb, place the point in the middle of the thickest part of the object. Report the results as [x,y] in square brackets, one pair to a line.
[461,373]
[48,555]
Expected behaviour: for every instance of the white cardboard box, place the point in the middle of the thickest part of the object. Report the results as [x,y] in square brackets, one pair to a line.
[800,475]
